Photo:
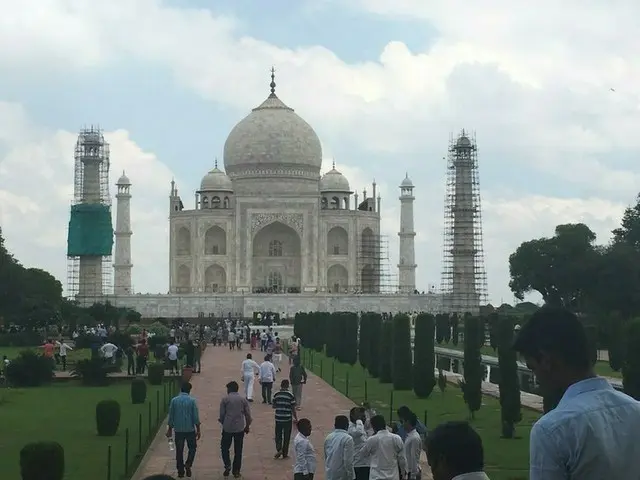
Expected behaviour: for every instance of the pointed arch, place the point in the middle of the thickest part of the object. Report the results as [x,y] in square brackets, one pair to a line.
[337,241]
[183,241]
[215,241]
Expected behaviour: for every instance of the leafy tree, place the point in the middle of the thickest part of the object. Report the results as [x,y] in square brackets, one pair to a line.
[375,350]
[508,381]
[385,368]
[402,362]
[424,379]
[629,231]
[559,268]
[473,369]
[631,368]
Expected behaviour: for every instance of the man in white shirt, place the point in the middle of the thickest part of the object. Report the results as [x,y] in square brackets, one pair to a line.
[62,351]
[359,435]
[267,377]
[304,455]
[108,351]
[248,370]
[338,451]
[232,339]
[412,447]
[454,452]
[172,355]
[386,452]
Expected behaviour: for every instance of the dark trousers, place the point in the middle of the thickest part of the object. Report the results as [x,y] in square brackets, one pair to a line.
[263,345]
[141,364]
[190,439]
[362,473]
[225,445]
[173,366]
[283,436]
[267,387]
[302,476]
[63,359]
[131,365]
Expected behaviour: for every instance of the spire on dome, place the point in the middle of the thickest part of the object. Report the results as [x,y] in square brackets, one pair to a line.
[273,81]
[334,164]
[216,163]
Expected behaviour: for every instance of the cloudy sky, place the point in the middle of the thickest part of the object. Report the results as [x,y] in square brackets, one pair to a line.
[383,82]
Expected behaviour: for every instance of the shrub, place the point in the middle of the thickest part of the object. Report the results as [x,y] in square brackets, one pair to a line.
[158,329]
[107,418]
[138,391]
[402,362]
[133,329]
[120,339]
[158,340]
[21,339]
[509,382]
[93,372]
[86,340]
[384,356]
[375,332]
[424,378]
[156,373]
[30,370]
[42,461]
[473,370]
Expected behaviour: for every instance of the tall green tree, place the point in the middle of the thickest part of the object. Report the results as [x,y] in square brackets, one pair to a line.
[631,368]
[350,343]
[363,340]
[385,368]
[424,379]
[473,370]
[375,340]
[508,381]
[402,353]
[629,231]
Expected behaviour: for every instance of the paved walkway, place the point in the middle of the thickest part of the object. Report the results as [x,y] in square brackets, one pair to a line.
[320,404]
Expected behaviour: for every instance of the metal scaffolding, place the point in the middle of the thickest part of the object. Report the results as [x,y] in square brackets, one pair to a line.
[90,235]
[374,265]
[464,280]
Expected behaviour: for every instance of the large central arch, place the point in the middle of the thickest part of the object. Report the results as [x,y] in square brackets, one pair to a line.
[277,255]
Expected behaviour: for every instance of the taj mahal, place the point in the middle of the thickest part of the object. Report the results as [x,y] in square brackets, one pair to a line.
[267,233]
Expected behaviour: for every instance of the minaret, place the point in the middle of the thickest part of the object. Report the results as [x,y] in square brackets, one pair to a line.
[122,262]
[407,263]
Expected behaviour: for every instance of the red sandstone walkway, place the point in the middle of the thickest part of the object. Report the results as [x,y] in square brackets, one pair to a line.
[321,404]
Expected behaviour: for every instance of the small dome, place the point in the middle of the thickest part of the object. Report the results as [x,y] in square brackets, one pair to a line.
[406,182]
[334,181]
[216,180]
[463,142]
[123,180]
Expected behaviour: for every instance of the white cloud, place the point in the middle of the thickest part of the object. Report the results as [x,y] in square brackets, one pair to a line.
[533,80]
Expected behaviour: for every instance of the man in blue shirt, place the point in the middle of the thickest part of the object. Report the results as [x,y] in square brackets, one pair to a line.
[592,432]
[184,425]
[404,413]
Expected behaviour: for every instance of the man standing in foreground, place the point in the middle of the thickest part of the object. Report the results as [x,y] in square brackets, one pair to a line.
[249,370]
[235,418]
[305,462]
[285,409]
[412,447]
[184,425]
[267,377]
[386,451]
[592,433]
[454,452]
[338,451]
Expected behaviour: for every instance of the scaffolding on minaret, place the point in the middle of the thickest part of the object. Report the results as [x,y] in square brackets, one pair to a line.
[464,280]
[90,234]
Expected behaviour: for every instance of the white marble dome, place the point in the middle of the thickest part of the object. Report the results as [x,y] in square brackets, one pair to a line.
[273,141]
[406,182]
[216,180]
[334,181]
[123,180]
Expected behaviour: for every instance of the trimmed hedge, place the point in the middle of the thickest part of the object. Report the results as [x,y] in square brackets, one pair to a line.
[107,418]
[424,379]
[402,362]
[384,352]
[42,461]
[138,391]
[156,373]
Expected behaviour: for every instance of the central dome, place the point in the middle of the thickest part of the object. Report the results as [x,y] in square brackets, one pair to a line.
[272,141]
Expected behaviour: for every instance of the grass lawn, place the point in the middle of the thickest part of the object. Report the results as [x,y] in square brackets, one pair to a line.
[505,459]
[72,355]
[602,367]
[65,413]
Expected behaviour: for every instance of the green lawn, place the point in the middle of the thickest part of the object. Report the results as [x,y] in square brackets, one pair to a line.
[72,356]
[65,413]
[602,367]
[505,459]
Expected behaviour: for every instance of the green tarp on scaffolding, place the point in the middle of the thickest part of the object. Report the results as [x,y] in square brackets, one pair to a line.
[90,230]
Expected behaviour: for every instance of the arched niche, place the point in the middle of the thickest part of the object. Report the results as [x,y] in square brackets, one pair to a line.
[337,241]
[368,280]
[215,241]
[335,203]
[215,279]
[276,249]
[183,241]
[183,279]
[369,246]
[215,202]
[337,279]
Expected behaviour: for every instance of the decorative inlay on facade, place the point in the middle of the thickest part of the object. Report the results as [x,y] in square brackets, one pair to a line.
[293,220]
[279,172]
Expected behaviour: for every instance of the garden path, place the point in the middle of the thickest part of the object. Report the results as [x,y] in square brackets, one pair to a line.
[321,404]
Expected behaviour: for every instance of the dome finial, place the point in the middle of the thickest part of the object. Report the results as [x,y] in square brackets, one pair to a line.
[273,81]
[334,164]
[216,163]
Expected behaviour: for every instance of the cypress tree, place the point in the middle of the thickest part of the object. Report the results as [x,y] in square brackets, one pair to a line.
[440,328]
[455,334]
[631,367]
[508,379]
[616,342]
[298,320]
[385,351]
[363,340]
[473,371]
[351,338]
[375,333]
[424,379]
[332,338]
[402,362]
[446,325]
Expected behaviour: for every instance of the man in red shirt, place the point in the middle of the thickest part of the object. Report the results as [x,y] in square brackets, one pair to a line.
[143,356]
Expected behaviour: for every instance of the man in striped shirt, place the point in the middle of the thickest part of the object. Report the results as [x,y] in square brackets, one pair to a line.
[184,424]
[284,405]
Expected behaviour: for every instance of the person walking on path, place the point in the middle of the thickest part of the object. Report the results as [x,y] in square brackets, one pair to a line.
[249,370]
[277,355]
[235,418]
[184,426]
[297,378]
[305,462]
[386,452]
[339,451]
[267,377]
[359,435]
[285,409]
